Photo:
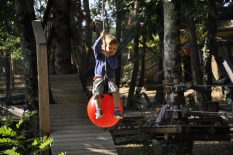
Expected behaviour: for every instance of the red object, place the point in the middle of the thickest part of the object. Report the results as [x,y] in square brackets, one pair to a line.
[108,119]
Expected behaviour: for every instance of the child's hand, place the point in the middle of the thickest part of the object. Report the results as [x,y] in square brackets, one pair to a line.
[102,34]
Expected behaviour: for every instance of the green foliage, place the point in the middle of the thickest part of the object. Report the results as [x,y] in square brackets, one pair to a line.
[196,9]
[16,140]
[8,142]
[154,43]
[9,36]
[10,44]
[42,142]
[11,152]
[25,116]
[7,131]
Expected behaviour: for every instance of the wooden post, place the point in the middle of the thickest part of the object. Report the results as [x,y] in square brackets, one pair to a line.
[43,87]
[12,73]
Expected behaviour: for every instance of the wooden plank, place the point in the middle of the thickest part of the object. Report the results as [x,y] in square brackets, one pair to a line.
[87,151]
[71,128]
[228,70]
[38,31]
[42,68]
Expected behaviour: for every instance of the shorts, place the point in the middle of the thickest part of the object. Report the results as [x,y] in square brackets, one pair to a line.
[98,87]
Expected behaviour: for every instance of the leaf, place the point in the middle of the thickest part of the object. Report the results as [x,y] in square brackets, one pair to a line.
[42,142]
[25,116]
[7,131]
[11,152]
[8,141]
[46,143]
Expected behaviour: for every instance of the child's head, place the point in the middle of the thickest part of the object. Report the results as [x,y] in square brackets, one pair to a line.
[109,45]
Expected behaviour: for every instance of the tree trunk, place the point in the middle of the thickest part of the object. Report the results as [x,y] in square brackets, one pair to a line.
[133,80]
[194,56]
[171,64]
[88,30]
[47,13]
[142,57]
[7,75]
[62,36]
[211,46]
[89,54]
[25,14]
[195,61]
[159,96]
[118,36]
[172,70]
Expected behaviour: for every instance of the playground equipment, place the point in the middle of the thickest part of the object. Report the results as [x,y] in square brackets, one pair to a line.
[107,106]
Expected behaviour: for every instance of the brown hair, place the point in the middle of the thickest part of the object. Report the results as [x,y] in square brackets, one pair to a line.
[109,39]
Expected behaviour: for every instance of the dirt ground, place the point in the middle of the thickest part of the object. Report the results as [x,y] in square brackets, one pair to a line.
[199,147]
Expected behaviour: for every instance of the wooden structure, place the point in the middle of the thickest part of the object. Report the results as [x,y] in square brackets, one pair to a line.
[176,132]
[225,50]
[42,68]
[16,79]
[71,128]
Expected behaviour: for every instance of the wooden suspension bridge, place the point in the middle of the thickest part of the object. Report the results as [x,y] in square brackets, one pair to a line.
[67,121]
[71,129]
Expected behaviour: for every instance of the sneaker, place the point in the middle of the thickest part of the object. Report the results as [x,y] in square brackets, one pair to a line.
[98,114]
[118,114]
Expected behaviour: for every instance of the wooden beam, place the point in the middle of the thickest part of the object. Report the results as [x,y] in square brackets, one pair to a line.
[228,69]
[199,137]
[225,13]
[43,87]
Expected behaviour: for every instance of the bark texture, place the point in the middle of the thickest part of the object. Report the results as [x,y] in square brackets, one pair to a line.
[25,14]
[62,36]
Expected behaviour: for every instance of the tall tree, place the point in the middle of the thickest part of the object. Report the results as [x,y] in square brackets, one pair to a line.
[142,62]
[191,17]
[171,67]
[8,38]
[88,54]
[119,13]
[25,14]
[171,42]
[211,43]
[135,61]
[88,29]
[62,36]
[194,56]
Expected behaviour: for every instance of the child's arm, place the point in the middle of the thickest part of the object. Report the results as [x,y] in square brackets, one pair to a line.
[112,61]
[97,44]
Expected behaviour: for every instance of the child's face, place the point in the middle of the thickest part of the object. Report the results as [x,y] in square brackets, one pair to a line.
[111,49]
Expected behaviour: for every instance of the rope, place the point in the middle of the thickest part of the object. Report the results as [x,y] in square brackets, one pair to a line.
[105,58]
[103,15]
[103,18]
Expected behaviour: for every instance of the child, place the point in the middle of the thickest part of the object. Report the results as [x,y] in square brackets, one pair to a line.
[105,48]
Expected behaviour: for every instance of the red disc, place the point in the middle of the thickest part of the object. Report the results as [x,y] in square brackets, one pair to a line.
[108,119]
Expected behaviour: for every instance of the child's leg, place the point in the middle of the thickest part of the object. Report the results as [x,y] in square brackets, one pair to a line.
[116,99]
[113,89]
[98,100]
[98,113]
[98,88]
